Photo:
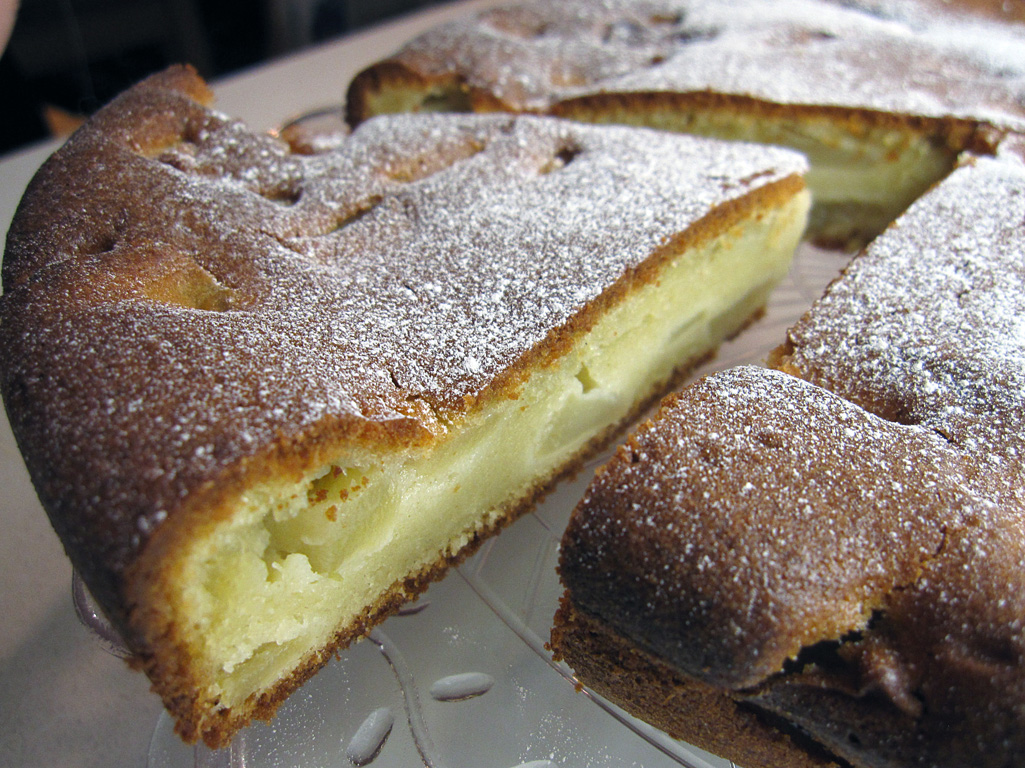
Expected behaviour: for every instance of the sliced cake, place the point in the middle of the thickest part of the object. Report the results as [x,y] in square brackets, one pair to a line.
[265,396]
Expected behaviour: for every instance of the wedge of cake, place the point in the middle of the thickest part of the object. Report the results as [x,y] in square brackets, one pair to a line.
[825,568]
[879,98]
[266,396]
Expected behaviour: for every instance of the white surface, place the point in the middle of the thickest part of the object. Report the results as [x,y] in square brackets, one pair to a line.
[65,702]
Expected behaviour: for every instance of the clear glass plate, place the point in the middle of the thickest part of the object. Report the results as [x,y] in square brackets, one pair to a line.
[490,619]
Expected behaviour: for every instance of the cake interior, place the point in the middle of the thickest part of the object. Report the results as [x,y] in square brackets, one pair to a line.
[299,564]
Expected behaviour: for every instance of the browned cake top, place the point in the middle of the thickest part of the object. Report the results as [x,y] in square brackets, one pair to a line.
[532,56]
[858,551]
[183,296]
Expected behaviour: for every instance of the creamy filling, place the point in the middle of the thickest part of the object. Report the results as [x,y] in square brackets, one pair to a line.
[299,561]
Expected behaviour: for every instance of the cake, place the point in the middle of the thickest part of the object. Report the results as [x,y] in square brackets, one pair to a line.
[820,562]
[880,96]
[265,396]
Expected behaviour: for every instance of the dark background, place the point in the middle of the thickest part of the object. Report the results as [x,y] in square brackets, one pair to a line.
[66,58]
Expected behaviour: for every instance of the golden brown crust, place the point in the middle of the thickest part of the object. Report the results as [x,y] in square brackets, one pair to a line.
[951,11]
[836,80]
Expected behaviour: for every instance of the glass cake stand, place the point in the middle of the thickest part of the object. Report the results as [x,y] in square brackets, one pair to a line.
[462,677]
